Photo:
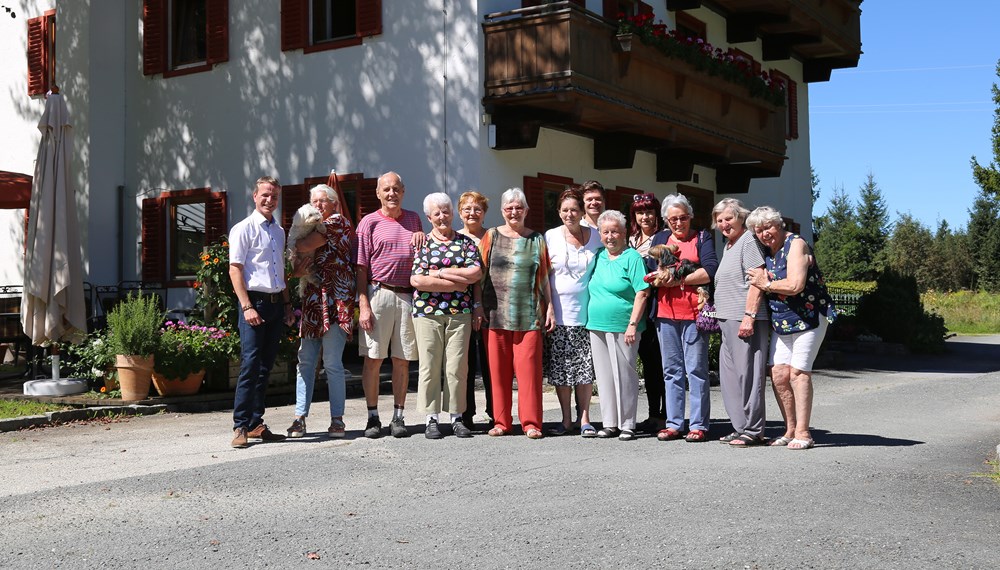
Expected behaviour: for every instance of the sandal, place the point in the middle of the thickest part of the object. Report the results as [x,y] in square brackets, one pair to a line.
[559,429]
[729,438]
[745,440]
[695,436]
[800,444]
[780,442]
[626,435]
[497,432]
[668,434]
[534,433]
[607,432]
[587,430]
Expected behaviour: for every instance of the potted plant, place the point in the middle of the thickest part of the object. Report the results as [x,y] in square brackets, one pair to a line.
[134,335]
[185,350]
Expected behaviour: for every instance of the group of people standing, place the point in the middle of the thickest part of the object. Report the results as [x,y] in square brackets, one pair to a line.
[583,302]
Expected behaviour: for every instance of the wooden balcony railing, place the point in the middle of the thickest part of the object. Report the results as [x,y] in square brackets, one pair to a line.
[566,69]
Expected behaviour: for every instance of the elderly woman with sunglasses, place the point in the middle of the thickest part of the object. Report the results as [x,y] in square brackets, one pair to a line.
[517,300]
[644,220]
[683,347]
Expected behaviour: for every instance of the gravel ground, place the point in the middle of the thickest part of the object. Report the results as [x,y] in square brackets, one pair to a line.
[891,484]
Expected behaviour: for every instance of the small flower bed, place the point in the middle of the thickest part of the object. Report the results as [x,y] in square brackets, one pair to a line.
[727,64]
[185,349]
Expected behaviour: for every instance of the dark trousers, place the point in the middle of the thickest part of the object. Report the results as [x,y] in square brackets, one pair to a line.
[259,348]
[477,361]
[652,372]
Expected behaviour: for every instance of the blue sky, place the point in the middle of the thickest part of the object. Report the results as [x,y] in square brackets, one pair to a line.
[914,111]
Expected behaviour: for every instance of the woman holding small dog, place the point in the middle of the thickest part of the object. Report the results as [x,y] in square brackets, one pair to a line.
[327,310]
[742,316]
[801,310]
[683,347]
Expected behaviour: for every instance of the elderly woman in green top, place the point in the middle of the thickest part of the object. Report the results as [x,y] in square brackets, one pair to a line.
[518,307]
[615,319]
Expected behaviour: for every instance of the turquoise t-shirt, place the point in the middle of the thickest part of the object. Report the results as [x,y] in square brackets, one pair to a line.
[612,291]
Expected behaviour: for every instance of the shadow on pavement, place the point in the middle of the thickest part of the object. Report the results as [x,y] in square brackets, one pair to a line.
[964,355]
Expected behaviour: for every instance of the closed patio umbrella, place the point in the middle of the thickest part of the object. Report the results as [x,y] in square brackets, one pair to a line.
[53,309]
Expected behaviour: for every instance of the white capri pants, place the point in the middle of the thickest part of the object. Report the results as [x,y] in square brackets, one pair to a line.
[798,350]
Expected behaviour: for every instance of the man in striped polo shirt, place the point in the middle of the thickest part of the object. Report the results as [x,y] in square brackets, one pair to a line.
[386,241]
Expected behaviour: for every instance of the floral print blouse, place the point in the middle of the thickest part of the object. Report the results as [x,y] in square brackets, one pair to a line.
[332,301]
[461,251]
[797,313]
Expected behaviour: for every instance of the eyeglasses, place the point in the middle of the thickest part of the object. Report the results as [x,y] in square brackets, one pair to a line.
[471,209]
[678,219]
[509,209]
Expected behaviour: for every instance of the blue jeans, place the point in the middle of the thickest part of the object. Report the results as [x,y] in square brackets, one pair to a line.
[259,348]
[332,344]
[684,351]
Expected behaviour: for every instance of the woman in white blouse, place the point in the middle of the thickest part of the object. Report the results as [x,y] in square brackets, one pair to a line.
[568,364]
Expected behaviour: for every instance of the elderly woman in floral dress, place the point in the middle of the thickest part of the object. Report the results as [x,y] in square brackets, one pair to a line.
[327,311]
[444,271]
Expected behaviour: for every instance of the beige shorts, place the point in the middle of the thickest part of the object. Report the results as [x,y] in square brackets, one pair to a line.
[393,331]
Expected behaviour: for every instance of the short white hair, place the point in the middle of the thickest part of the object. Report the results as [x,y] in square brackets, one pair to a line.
[676,201]
[437,199]
[331,194]
[612,216]
[765,216]
[514,194]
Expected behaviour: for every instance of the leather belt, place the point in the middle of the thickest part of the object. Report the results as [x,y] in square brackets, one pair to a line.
[394,288]
[266,297]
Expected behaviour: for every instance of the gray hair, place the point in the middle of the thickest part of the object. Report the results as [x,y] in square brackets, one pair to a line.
[733,205]
[391,173]
[612,216]
[765,216]
[439,199]
[676,201]
[331,194]
[514,194]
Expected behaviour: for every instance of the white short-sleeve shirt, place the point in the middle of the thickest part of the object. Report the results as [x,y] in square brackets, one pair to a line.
[259,246]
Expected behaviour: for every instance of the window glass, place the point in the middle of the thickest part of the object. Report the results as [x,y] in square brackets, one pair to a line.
[188,28]
[333,19]
[187,238]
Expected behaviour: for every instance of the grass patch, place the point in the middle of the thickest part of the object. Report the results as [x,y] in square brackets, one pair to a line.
[966,312]
[19,408]
[994,475]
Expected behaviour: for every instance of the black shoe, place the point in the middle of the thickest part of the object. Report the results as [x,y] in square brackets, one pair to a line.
[398,428]
[432,431]
[460,429]
[374,428]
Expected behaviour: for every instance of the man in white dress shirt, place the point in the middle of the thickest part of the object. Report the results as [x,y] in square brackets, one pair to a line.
[257,270]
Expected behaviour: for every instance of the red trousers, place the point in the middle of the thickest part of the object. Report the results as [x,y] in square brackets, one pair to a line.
[516,353]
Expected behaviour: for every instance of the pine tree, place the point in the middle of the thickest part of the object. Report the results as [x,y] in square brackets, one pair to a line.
[984,223]
[838,249]
[873,229]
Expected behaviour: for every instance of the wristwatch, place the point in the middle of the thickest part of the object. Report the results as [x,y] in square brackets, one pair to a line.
[633,323]
[476,305]
[246,308]
[751,315]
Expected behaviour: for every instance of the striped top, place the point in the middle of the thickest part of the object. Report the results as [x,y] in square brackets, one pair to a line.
[516,271]
[731,284]
[384,246]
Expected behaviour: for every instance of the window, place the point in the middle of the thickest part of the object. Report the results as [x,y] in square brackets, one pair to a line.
[359,193]
[702,202]
[42,53]
[175,227]
[612,8]
[791,104]
[542,192]
[184,36]
[748,59]
[691,27]
[317,25]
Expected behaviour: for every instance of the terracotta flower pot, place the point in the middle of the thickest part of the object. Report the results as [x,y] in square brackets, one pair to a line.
[134,375]
[178,386]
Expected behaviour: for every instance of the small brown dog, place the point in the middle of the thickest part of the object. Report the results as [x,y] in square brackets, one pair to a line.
[666,259]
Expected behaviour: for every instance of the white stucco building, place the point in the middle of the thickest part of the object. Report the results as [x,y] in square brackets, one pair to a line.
[179,105]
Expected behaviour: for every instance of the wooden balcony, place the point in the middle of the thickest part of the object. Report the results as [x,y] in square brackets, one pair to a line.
[823,35]
[565,69]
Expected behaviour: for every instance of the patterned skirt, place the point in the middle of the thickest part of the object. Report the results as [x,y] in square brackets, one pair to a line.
[567,357]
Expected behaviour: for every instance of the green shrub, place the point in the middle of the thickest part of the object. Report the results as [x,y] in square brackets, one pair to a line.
[895,313]
[134,325]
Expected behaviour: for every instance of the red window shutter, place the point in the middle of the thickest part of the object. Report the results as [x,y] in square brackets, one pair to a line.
[294,24]
[368,200]
[369,17]
[38,76]
[154,36]
[292,198]
[154,240]
[216,223]
[217,14]
[793,109]
[610,9]
[645,8]
[534,191]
